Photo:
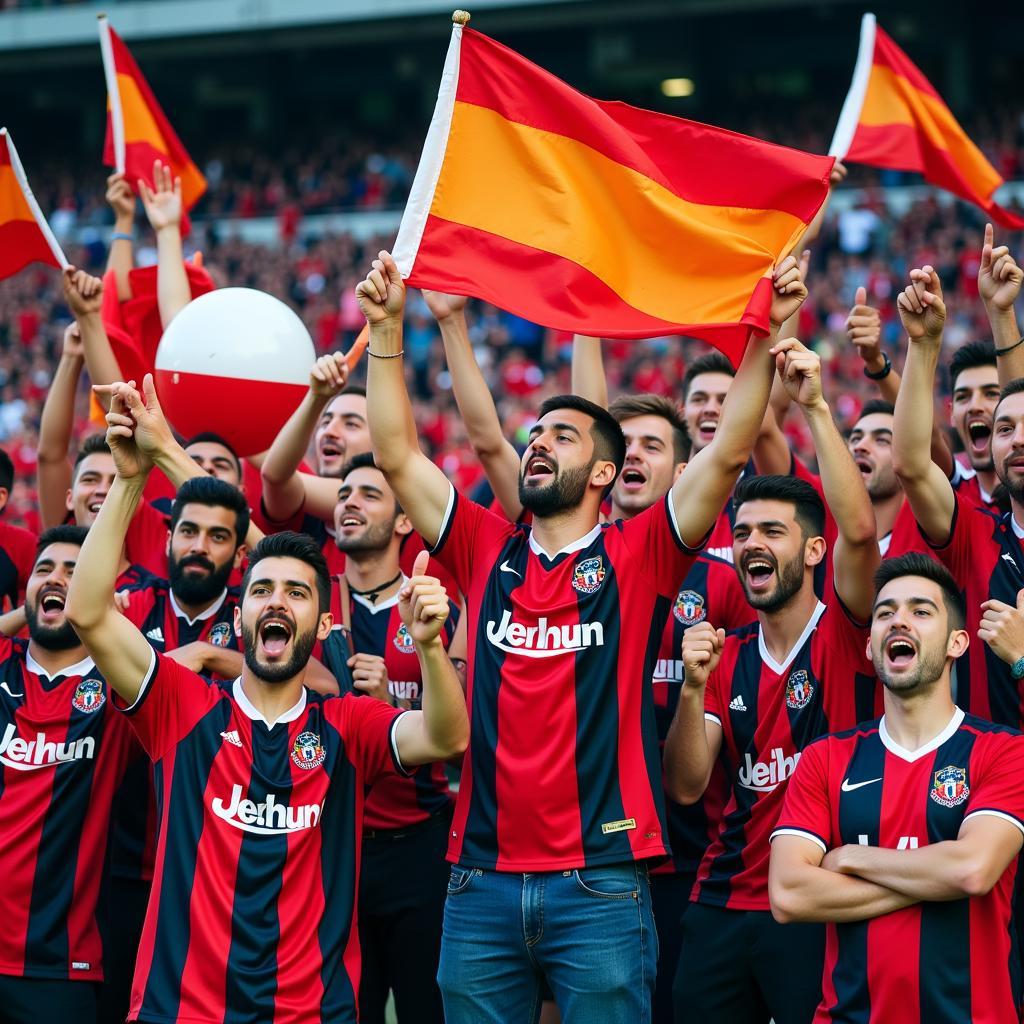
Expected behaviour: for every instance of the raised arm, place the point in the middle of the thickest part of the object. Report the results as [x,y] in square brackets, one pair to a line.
[441,729]
[999,281]
[163,208]
[120,258]
[588,377]
[856,557]
[53,470]
[422,489]
[84,295]
[115,644]
[494,450]
[864,326]
[284,488]
[927,487]
[701,490]
[694,740]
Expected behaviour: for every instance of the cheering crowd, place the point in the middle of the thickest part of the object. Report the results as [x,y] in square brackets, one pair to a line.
[731,696]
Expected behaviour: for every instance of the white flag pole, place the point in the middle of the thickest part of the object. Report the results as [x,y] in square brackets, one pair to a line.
[854,103]
[22,180]
[113,92]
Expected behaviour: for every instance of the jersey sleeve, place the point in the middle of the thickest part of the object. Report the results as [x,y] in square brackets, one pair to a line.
[851,694]
[138,603]
[469,535]
[806,808]
[23,555]
[998,790]
[653,539]
[714,706]
[368,729]
[145,543]
[969,534]
[171,700]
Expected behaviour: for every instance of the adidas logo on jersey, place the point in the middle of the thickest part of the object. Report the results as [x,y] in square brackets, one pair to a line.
[764,776]
[542,640]
[736,704]
[30,755]
[266,817]
[156,634]
[232,737]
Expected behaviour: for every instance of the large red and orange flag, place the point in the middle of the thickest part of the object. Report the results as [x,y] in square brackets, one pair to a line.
[25,237]
[894,118]
[597,217]
[138,132]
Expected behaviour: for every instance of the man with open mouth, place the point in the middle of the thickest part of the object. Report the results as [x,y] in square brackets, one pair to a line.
[63,753]
[261,782]
[757,698]
[904,833]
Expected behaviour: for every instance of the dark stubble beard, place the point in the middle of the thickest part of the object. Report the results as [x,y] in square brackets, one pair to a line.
[193,590]
[302,648]
[50,638]
[373,538]
[790,580]
[1015,489]
[564,492]
[930,666]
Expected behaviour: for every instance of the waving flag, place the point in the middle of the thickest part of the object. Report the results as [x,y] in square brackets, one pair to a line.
[598,218]
[894,118]
[137,130]
[25,237]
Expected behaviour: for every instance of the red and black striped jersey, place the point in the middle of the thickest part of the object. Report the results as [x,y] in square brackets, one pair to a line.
[252,913]
[967,484]
[562,769]
[937,962]
[62,755]
[17,557]
[145,543]
[769,712]
[985,556]
[397,800]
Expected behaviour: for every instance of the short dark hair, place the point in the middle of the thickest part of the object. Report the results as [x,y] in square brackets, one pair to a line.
[875,406]
[916,564]
[809,509]
[94,444]
[208,490]
[710,362]
[6,470]
[351,389]
[967,357]
[365,460]
[627,407]
[63,534]
[1015,387]
[609,442]
[299,546]
[209,437]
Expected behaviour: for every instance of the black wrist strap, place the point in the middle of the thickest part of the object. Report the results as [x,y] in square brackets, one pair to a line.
[883,372]
[1009,348]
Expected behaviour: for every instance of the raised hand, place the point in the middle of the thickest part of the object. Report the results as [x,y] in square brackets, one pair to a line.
[130,461]
[442,305]
[702,650]
[799,369]
[72,347]
[1002,628]
[423,603]
[329,375]
[142,415]
[864,326]
[921,307]
[382,294]
[789,291]
[370,676]
[162,203]
[999,277]
[120,199]
[82,292]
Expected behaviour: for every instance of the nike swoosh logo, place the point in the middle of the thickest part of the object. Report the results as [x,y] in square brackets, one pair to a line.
[8,690]
[849,787]
[505,567]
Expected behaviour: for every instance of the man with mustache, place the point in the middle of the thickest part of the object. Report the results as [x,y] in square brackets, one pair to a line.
[757,698]
[252,914]
[904,832]
[63,751]
[980,548]
[560,801]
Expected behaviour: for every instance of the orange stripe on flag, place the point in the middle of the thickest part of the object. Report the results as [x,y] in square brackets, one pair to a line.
[13,205]
[613,221]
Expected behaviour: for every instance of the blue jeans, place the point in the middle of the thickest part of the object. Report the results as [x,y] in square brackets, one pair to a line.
[590,933]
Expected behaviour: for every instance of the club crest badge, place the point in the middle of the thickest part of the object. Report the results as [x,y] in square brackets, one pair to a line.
[689,607]
[307,752]
[949,786]
[403,641]
[588,575]
[89,696]
[220,635]
[799,690]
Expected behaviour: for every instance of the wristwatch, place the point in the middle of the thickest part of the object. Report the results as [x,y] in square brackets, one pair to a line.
[883,372]
[1017,669]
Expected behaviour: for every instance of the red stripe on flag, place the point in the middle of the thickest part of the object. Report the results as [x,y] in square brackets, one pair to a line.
[532,284]
[22,243]
[889,55]
[721,168]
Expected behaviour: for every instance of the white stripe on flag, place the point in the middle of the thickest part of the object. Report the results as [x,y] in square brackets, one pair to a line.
[854,103]
[26,191]
[113,92]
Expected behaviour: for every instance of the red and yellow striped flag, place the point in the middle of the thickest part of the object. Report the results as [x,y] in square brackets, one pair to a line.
[25,237]
[138,132]
[594,217]
[894,118]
